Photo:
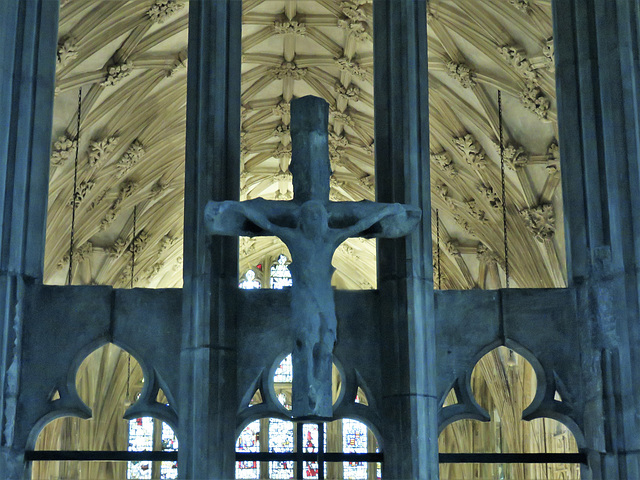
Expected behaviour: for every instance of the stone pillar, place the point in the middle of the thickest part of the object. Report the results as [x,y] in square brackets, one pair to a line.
[598,89]
[409,406]
[207,409]
[28,40]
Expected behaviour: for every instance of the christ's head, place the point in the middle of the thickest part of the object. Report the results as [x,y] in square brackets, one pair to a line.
[314,220]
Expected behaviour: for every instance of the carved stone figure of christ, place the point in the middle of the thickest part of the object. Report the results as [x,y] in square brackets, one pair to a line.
[312,227]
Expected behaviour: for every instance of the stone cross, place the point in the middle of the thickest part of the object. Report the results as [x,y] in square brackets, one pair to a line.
[312,227]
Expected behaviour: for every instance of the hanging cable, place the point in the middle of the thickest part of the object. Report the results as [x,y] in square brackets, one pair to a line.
[127,400]
[133,245]
[504,194]
[74,200]
[438,247]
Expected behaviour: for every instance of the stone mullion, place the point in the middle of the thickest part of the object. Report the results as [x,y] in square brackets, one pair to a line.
[600,190]
[212,172]
[409,400]
[28,42]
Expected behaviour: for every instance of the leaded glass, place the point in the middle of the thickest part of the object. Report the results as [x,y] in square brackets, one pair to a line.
[280,274]
[249,441]
[249,282]
[280,440]
[284,372]
[354,440]
[168,470]
[140,439]
[310,445]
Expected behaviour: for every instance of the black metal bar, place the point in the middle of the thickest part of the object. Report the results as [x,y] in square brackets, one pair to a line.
[98,456]
[307,457]
[513,458]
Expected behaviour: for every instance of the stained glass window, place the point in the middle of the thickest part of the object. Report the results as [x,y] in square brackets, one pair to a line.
[282,379]
[280,440]
[280,436]
[310,445]
[169,441]
[354,440]
[280,274]
[249,441]
[140,439]
[249,281]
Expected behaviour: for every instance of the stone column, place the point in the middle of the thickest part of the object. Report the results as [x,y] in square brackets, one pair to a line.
[409,405]
[207,409]
[596,48]
[28,40]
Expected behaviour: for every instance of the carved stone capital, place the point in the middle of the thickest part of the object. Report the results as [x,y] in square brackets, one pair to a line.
[540,220]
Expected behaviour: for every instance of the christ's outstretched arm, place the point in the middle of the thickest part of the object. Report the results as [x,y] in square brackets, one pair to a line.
[240,218]
[394,221]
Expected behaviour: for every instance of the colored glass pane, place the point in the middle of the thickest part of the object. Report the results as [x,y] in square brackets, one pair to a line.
[280,440]
[249,281]
[249,441]
[284,372]
[140,439]
[354,440]
[168,470]
[280,274]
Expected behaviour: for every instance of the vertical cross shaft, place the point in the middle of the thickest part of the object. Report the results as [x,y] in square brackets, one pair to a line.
[310,149]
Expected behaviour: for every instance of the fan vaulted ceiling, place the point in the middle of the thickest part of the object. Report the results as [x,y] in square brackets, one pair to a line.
[130,59]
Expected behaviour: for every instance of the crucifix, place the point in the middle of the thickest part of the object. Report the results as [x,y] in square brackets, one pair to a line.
[312,227]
